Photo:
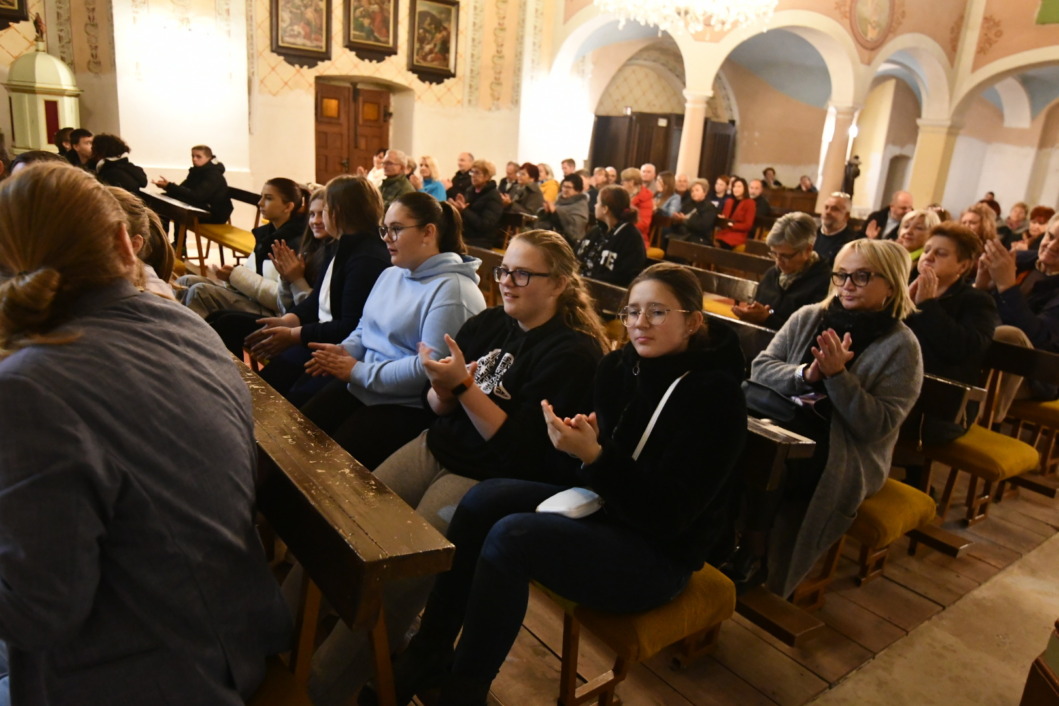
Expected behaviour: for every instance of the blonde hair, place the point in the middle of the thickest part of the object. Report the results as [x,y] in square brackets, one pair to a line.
[431,165]
[986,221]
[485,167]
[931,219]
[632,174]
[142,221]
[892,262]
[58,230]
[576,306]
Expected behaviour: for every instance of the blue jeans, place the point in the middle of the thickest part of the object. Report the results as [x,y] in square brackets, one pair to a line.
[502,545]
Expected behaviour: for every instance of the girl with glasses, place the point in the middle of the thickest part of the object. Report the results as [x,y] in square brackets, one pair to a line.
[667,508]
[854,349]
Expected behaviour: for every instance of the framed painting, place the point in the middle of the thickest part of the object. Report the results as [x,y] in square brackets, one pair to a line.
[371,28]
[432,49]
[871,21]
[12,11]
[301,30]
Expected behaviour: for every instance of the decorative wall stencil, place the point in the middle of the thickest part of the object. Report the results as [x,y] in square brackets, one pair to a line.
[92,36]
[991,32]
[955,32]
[371,27]
[520,54]
[496,86]
[472,75]
[301,30]
[432,47]
[842,8]
[64,31]
[13,11]
[871,21]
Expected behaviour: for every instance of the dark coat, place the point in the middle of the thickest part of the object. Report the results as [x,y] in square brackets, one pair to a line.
[613,256]
[700,223]
[954,331]
[206,188]
[481,218]
[880,217]
[827,246]
[809,288]
[265,235]
[121,172]
[1032,306]
[461,181]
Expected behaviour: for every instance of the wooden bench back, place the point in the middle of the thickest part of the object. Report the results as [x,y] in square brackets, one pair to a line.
[486,283]
[730,286]
[718,259]
[752,338]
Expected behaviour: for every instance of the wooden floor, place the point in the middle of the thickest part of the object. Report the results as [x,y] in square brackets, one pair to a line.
[751,668]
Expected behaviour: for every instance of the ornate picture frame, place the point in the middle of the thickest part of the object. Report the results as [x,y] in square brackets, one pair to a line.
[301,30]
[432,44]
[371,27]
[12,11]
[870,21]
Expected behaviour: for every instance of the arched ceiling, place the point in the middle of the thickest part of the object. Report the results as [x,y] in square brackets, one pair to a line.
[788,63]
[609,33]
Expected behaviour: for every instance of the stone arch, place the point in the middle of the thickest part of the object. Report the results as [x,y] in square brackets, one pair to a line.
[924,58]
[995,72]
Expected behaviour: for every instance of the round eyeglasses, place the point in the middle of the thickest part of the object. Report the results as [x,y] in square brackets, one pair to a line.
[393,232]
[656,315]
[860,278]
[520,278]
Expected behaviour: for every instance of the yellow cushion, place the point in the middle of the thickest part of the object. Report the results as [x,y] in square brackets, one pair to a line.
[896,509]
[616,331]
[229,236]
[1036,412]
[717,305]
[708,600]
[279,688]
[986,454]
[656,253]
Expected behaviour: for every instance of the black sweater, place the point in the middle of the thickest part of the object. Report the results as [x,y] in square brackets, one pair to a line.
[123,173]
[613,256]
[518,369]
[481,218]
[679,493]
[206,188]
[809,288]
[264,236]
[954,331]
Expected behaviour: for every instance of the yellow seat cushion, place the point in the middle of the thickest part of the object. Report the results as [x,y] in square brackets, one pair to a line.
[896,509]
[239,240]
[708,600]
[986,454]
[279,688]
[1045,414]
[717,305]
[656,253]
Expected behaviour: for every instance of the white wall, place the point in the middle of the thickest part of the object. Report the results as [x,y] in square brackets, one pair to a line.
[965,173]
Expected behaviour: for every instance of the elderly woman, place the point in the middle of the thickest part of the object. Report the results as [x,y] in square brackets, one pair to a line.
[695,221]
[853,349]
[799,276]
[481,207]
[526,197]
[1031,238]
[913,233]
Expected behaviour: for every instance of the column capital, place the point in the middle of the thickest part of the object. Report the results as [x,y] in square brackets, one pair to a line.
[845,110]
[696,99]
[938,126]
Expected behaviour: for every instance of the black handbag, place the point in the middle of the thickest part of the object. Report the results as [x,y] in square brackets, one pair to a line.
[764,402]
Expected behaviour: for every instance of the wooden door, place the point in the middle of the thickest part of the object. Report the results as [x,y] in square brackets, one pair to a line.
[610,140]
[651,140]
[333,106]
[718,150]
[371,129]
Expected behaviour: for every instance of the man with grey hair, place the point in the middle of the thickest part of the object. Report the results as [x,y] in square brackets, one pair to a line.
[835,230]
[799,276]
[885,222]
[461,180]
[649,174]
[612,176]
[394,183]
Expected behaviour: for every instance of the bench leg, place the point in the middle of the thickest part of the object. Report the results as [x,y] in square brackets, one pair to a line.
[305,630]
[977,504]
[872,563]
[380,647]
[809,595]
[602,687]
[946,496]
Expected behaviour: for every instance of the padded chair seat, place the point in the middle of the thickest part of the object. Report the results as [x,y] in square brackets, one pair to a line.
[237,239]
[889,514]
[1045,414]
[715,305]
[708,600]
[986,454]
[279,688]
[656,253]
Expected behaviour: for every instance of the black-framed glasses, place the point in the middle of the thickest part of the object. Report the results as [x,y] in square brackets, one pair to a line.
[393,232]
[521,278]
[783,256]
[656,315]
[860,278]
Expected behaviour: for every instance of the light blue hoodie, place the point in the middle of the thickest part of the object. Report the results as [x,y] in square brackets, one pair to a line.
[404,308]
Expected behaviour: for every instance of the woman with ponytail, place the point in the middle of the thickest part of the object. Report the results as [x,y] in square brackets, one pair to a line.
[127,540]
[375,404]
[613,251]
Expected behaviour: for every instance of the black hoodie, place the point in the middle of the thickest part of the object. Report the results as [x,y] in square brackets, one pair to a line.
[679,493]
[206,188]
[121,172]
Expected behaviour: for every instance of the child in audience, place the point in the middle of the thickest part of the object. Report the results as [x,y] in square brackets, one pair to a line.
[154,253]
[353,210]
[667,511]
[205,186]
[613,251]
[299,268]
[110,155]
[375,404]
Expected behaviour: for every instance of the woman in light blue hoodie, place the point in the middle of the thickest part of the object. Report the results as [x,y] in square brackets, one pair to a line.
[376,404]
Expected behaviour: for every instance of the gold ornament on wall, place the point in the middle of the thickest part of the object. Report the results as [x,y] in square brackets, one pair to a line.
[871,21]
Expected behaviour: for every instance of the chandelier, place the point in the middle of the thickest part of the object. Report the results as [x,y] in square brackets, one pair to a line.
[690,15]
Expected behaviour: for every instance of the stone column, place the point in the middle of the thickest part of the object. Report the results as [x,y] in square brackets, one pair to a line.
[692,133]
[835,157]
[931,161]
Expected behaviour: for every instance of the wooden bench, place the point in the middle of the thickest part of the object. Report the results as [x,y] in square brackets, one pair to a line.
[183,215]
[490,259]
[238,240]
[758,246]
[350,533]
[719,260]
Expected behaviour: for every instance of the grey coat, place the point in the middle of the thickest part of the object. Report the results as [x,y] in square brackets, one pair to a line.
[870,401]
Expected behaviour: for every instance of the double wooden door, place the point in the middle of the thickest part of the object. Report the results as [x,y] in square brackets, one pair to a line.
[351,124]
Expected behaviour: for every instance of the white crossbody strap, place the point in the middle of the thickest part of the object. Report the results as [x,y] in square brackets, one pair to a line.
[654,417]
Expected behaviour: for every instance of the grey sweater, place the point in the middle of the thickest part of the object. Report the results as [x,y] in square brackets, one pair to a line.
[870,402]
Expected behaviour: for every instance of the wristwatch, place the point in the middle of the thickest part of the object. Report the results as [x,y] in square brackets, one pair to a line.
[463,386]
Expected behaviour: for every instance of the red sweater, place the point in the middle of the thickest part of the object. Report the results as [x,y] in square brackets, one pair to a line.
[742,222]
[644,202]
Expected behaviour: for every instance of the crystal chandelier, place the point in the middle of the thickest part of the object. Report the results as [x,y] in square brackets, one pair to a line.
[690,15]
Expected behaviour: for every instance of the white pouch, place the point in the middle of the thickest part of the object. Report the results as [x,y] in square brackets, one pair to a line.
[573,502]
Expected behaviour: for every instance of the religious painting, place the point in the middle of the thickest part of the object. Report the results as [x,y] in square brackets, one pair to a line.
[301,30]
[371,28]
[13,11]
[432,53]
[871,21]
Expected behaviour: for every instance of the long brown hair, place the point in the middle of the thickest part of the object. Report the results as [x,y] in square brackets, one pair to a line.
[354,204]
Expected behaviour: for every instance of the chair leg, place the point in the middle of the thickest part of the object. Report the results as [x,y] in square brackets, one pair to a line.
[809,594]
[872,562]
[978,504]
[568,668]
[946,496]
[694,646]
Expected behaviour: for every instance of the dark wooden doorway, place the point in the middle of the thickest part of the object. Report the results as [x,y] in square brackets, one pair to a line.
[718,150]
[630,140]
[351,124]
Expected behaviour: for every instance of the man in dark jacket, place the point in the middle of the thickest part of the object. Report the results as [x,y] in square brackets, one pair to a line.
[885,222]
[80,154]
[205,186]
[461,180]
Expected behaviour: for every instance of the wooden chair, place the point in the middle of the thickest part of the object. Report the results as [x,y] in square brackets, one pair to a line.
[238,240]
[350,533]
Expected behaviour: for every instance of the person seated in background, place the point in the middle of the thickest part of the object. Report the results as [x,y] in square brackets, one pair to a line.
[510,181]
[110,154]
[410,173]
[80,154]
[770,181]
[885,222]
[428,170]
[613,251]
[527,197]
[982,220]
[737,218]
[394,183]
[612,176]
[915,229]
[835,229]
[132,568]
[763,209]
[641,200]
[1017,222]
[24,159]
[568,216]
[805,185]
[943,214]
[648,173]
[568,166]
[596,182]
[799,277]
[149,243]
[461,180]
[683,189]
[61,140]
[204,186]
[549,186]
[1038,223]
[667,200]
[720,194]
[375,175]
[696,220]
[481,207]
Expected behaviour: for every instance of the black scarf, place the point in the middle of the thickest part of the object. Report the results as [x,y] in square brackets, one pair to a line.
[864,327]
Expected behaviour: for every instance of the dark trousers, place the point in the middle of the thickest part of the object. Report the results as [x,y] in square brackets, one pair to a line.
[233,327]
[286,374]
[369,433]
[502,545]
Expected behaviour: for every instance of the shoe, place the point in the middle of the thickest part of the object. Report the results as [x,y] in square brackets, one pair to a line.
[421,667]
[464,692]
[746,570]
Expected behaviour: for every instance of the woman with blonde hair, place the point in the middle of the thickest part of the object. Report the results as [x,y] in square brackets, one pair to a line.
[126,512]
[914,230]
[428,169]
[853,349]
[982,220]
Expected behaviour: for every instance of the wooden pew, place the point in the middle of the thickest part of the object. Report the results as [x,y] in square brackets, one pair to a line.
[717,259]
[238,240]
[351,533]
[183,215]
[490,259]
[758,246]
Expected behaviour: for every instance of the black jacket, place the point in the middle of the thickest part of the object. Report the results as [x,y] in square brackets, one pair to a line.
[954,331]
[809,288]
[827,246]
[881,217]
[518,369]
[121,172]
[612,256]
[264,236]
[700,223]
[359,259]
[206,188]
[679,493]
[481,218]
[461,181]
